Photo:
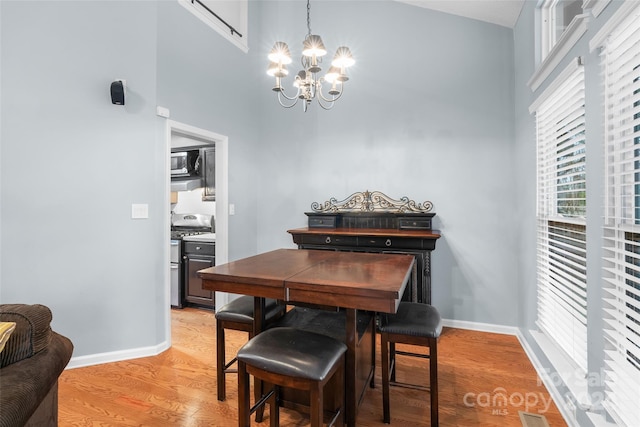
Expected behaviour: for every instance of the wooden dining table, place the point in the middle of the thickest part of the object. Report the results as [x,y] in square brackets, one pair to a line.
[351,281]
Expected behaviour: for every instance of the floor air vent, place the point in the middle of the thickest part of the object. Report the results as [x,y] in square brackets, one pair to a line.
[532,420]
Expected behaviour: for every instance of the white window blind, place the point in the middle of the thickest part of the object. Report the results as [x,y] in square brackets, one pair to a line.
[561,235]
[621,275]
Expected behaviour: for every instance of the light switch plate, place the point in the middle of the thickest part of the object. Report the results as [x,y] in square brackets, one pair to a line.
[139,211]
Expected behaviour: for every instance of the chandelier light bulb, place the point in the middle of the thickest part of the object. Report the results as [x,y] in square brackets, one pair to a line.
[343,58]
[313,46]
[332,75]
[280,53]
[277,70]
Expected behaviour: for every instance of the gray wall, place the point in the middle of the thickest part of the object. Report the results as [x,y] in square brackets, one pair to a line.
[207,82]
[72,165]
[428,114]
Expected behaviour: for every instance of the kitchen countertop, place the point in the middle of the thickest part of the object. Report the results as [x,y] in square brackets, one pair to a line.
[206,237]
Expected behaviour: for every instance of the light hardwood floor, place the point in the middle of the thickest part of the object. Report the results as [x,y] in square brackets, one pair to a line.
[484,380]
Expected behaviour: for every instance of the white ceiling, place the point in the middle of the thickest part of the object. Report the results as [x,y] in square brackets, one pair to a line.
[500,12]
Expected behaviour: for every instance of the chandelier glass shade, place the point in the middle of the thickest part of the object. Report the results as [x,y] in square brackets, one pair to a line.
[308,81]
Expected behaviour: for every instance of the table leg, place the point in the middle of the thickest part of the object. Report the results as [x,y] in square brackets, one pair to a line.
[258,322]
[258,314]
[350,368]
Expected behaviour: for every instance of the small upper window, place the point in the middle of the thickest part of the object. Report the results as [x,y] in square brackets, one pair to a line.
[227,17]
[556,17]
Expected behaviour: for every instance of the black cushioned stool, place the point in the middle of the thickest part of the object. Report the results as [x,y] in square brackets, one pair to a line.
[417,324]
[293,358]
[238,315]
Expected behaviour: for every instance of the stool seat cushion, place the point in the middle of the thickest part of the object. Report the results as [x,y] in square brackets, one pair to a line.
[413,319]
[293,352]
[241,310]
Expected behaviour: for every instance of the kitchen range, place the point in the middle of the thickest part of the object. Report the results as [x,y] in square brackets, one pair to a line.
[192,248]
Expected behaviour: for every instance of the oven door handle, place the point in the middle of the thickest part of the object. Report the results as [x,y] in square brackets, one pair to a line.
[197,259]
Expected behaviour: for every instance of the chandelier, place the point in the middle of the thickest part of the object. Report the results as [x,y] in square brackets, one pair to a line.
[308,82]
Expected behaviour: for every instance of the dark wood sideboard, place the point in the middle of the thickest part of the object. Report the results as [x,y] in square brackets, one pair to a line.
[385,230]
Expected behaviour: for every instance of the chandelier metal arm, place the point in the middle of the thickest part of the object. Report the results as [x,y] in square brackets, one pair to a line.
[335,98]
[290,98]
[329,107]
[295,100]
[326,104]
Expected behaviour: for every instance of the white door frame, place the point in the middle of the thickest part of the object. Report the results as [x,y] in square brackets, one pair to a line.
[222,204]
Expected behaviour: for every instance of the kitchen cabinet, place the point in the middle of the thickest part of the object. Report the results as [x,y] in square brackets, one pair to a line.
[209,174]
[197,256]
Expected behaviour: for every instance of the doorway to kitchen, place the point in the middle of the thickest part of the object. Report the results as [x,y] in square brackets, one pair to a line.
[181,133]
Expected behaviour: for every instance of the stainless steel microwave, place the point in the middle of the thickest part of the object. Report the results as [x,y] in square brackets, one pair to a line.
[185,163]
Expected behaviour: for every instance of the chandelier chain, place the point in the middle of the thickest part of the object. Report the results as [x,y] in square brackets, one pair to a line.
[309,17]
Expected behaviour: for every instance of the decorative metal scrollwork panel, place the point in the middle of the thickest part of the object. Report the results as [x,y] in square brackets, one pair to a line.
[372,201]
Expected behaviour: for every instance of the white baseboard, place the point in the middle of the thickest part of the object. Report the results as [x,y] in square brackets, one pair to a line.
[117,356]
[480,327]
[134,353]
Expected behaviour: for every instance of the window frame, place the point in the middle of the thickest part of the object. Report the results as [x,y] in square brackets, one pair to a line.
[550,14]
[240,40]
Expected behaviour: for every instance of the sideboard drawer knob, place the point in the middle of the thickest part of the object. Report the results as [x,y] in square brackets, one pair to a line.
[388,242]
[328,239]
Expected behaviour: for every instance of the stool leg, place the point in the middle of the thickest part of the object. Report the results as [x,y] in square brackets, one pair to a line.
[392,360]
[341,396]
[433,380]
[316,405]
[384,347]
[258,390]
[244,404]
[373,355]
[274,408]
[220,361]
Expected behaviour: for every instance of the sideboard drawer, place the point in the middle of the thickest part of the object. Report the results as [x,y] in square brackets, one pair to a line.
[322,221]
[414,223]
[373,242]
[389,242]
[327,239]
